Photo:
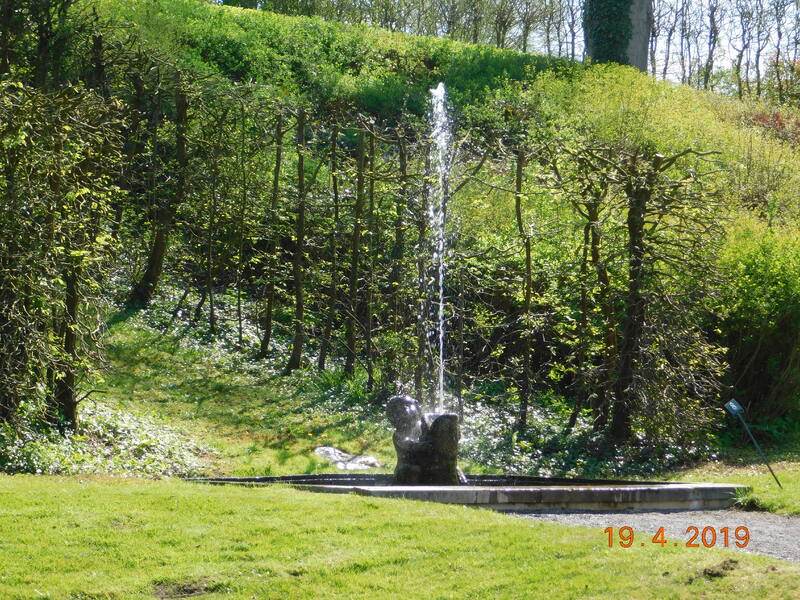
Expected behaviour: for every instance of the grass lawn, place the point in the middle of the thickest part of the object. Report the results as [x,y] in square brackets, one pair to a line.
[101,538]
[747,468]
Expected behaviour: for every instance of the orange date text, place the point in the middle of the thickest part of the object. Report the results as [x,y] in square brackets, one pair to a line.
[709,537]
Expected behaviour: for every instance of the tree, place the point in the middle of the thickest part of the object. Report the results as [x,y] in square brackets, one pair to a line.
[299,249]
[351,318]
[618,31]
[666,217]
[166,204]
[504,18]
[60,153]
[272,235]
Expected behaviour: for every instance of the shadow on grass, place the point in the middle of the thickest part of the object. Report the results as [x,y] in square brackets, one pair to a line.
[121,316]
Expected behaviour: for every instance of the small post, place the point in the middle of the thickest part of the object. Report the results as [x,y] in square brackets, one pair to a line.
[733,407]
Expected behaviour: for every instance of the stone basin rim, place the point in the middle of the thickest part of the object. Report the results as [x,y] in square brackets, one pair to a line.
[518,493]
[385,479]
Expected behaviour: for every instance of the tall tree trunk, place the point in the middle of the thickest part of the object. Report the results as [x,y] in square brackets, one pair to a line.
[66,403]
[299,249]
[713,37]
[641,15]
[243,201]
[526,33]
[8,32]
[98,80]
[44,38]
[215,185]
[525,376]
[145,288]
[355,258]
[371,233]
[638,195]
[757,65]
[581,383]
[272,271]
[17,354]
[398,254]
[614,34]
[667,50]
[133,146]
[143,291]
[333,291]
[605,389]
[737,69]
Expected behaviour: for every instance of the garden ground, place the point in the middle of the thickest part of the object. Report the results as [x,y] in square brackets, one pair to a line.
[92,537]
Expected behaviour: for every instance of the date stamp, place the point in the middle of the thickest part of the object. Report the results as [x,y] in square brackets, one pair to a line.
[709,537]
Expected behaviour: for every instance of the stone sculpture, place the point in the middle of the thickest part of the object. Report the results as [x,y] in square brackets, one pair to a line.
[427,454]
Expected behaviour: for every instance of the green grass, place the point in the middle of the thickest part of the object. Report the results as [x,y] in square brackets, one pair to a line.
[746,468]
[259,424]
[101,538]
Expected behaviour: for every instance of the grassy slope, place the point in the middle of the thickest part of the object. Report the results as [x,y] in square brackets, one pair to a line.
[264,424]
[260,424]
[70,538]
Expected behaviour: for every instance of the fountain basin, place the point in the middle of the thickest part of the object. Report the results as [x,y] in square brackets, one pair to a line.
[519,493]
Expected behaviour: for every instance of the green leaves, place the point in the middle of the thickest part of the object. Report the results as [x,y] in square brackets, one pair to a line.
[60,151]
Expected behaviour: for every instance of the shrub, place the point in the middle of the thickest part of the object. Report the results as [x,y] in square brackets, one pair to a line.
[107,441]
[760,324]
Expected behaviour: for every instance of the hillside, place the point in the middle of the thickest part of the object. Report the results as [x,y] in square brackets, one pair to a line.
[330,65]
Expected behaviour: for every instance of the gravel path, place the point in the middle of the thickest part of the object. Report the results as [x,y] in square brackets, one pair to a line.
[774,535]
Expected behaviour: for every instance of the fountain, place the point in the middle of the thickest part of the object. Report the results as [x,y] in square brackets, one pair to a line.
[427,453]
[427,444]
